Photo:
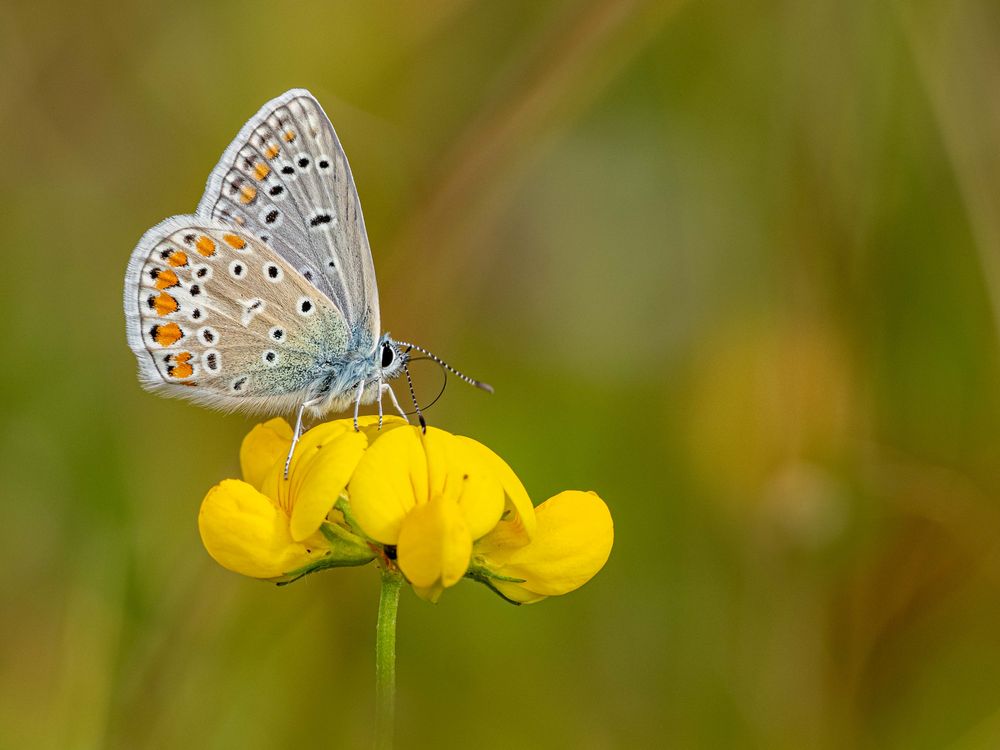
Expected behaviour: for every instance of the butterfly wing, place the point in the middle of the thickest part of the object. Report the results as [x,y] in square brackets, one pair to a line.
[216,316]
[285,179]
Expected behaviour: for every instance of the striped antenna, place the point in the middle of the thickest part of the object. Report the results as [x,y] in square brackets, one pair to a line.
[471,381]
[413,395]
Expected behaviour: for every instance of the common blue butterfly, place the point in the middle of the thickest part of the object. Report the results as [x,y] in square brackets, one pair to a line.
[264,300]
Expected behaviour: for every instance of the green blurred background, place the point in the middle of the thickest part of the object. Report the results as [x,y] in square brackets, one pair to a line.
[735,266]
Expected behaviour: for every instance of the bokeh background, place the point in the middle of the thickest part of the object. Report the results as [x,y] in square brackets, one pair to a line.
[735,266]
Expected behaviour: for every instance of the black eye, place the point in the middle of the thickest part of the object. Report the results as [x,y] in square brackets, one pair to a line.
[387,355]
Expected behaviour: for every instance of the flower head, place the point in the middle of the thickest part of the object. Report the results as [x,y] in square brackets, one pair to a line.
[268,527]
[439,506]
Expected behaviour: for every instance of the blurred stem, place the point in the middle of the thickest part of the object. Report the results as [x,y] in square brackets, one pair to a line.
[385,658]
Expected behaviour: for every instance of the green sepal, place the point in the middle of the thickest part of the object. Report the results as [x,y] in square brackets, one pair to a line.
[346,551]
[344,506]
[486,577]
[337,535]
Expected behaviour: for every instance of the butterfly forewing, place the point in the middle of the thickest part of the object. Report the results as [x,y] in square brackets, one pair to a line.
[216,316]
[285,180]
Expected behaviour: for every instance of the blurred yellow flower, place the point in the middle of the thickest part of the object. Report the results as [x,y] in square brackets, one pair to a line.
[439,506]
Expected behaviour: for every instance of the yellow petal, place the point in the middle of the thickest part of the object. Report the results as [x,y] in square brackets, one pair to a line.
[436,445]
[317,437]
[434,544]
[471,479]
[245,532]
[458,472]
[313,440]
[369,425]
[572,542]
[430,593]
[520,520]
[501,542]
[262,447]
[315,490]
[388,482]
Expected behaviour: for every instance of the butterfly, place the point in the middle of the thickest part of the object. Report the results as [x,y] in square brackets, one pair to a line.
[264,300]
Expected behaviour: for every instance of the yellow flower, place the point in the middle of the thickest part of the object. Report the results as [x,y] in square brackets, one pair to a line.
[572,541]
[439,506]
[267,527]
[430,496]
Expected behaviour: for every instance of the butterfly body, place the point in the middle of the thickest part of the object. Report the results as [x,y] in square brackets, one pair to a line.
[336,390]
[264,300]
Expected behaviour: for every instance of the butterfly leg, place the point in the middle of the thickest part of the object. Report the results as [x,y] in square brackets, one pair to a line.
[380,391]
[298,432]
[357,403]
[386,388]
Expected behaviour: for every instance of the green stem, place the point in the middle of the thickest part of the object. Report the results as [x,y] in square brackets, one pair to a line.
[385,658]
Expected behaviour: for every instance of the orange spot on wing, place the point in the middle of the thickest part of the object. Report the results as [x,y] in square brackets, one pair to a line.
[234,241]
[205,246]
[167,335]
[165,278]
[182,367]
[261,170]
[272,151]
[177,259]
[164,304]
[289,136]
[247,194]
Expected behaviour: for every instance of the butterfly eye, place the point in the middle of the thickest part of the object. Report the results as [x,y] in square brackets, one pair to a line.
[387,355]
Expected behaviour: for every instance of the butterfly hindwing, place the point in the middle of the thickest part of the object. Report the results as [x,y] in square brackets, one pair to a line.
[216,316]
[285,179]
